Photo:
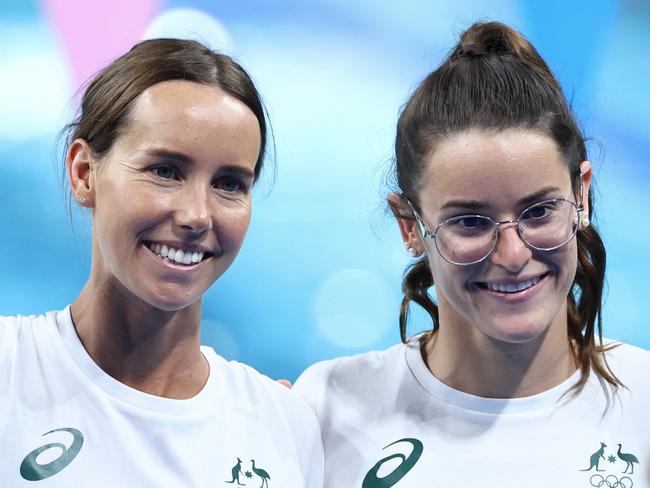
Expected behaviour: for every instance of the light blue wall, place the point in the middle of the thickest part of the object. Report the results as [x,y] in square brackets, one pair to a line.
[320,272]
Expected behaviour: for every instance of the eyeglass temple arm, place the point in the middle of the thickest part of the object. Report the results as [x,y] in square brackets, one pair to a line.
[423,228]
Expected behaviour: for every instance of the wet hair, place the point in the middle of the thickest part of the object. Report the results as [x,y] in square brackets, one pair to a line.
[495,80]
[110,96]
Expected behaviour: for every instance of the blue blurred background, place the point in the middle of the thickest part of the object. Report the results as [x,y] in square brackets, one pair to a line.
[320,273]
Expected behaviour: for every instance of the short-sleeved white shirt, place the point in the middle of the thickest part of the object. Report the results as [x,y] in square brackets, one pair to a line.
[386,421]
[92,430]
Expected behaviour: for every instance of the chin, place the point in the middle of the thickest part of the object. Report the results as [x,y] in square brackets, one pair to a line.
[171,300]
[518,332]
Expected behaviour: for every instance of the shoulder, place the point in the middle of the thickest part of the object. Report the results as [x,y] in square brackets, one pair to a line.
[629,363]
[258,397]
[361,376]
[255,389]
[25,346]
[13,328]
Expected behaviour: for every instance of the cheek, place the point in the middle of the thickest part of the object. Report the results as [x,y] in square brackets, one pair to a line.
[124,211]
[565,260]
[567,265]
[233,225]
[450,280]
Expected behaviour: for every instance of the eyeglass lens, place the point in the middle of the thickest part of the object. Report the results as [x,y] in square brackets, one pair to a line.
[544,226]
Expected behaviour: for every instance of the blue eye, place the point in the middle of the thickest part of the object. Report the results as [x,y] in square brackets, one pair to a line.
[165,172]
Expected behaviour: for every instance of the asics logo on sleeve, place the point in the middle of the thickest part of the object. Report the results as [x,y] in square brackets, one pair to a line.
[372,479]
[31,470]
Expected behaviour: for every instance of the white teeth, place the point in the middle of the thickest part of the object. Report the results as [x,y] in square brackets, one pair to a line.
[177,256]
[512,287]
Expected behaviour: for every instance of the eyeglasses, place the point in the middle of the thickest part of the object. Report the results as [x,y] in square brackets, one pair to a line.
[469,239]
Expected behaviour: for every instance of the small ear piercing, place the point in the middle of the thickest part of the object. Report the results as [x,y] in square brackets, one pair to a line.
[83,199]
[585,221]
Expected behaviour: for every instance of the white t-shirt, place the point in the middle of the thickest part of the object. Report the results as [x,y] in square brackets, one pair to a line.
[64,422]
[386,421]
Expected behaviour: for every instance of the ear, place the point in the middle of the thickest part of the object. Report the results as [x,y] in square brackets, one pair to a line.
[585,175]
[408,226]
[80,167]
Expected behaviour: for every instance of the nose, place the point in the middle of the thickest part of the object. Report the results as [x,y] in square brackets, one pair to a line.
[510,252]
[192,211]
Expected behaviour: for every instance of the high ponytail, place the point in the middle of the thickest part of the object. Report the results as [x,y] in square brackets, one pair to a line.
[494,79]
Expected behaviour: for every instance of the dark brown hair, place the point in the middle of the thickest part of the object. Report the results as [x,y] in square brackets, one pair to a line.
[494,79]
[110,96]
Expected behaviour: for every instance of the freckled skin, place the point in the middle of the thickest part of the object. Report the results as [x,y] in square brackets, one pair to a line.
[485,344]
[180,172]
[133,204]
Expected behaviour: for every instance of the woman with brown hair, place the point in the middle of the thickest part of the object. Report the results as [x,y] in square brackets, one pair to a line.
[513,384]
[115,390]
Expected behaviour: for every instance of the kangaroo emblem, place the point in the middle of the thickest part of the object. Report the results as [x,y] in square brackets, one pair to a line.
[595,458]
[236,471]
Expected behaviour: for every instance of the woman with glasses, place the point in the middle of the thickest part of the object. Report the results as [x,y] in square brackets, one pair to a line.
[115,389]
[513,384]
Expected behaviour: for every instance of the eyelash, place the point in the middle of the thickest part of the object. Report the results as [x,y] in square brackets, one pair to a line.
[174,170]
[242,187]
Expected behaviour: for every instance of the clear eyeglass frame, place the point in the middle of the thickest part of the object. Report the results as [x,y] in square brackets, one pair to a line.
[579,208]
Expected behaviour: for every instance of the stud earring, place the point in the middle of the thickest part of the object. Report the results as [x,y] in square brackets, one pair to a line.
[83,199]
[410,250]
[585,221]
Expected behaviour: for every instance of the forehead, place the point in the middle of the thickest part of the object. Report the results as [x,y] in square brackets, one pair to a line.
[192,117]
[496,168]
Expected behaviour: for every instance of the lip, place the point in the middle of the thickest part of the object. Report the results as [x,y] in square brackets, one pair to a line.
[514,297]
[174,266]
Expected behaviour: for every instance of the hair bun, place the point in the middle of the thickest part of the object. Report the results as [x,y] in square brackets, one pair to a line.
[482,39]
[472,50]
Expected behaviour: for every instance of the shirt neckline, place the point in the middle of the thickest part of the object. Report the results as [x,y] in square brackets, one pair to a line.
[202,404]
[436,388]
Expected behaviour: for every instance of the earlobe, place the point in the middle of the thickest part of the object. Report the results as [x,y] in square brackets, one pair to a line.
[79,166]
[407,224]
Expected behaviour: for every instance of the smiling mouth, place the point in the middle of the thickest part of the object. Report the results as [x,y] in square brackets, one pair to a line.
[177,256]
[512,287]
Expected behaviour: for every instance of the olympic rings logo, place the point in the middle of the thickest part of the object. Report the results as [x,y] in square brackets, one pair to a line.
[610,481]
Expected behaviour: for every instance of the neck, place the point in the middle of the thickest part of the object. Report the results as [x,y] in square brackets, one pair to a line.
[143,347]
[486,367]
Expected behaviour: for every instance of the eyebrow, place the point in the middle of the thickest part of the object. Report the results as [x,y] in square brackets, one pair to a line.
[477,205]
[188,161]
[172,155]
